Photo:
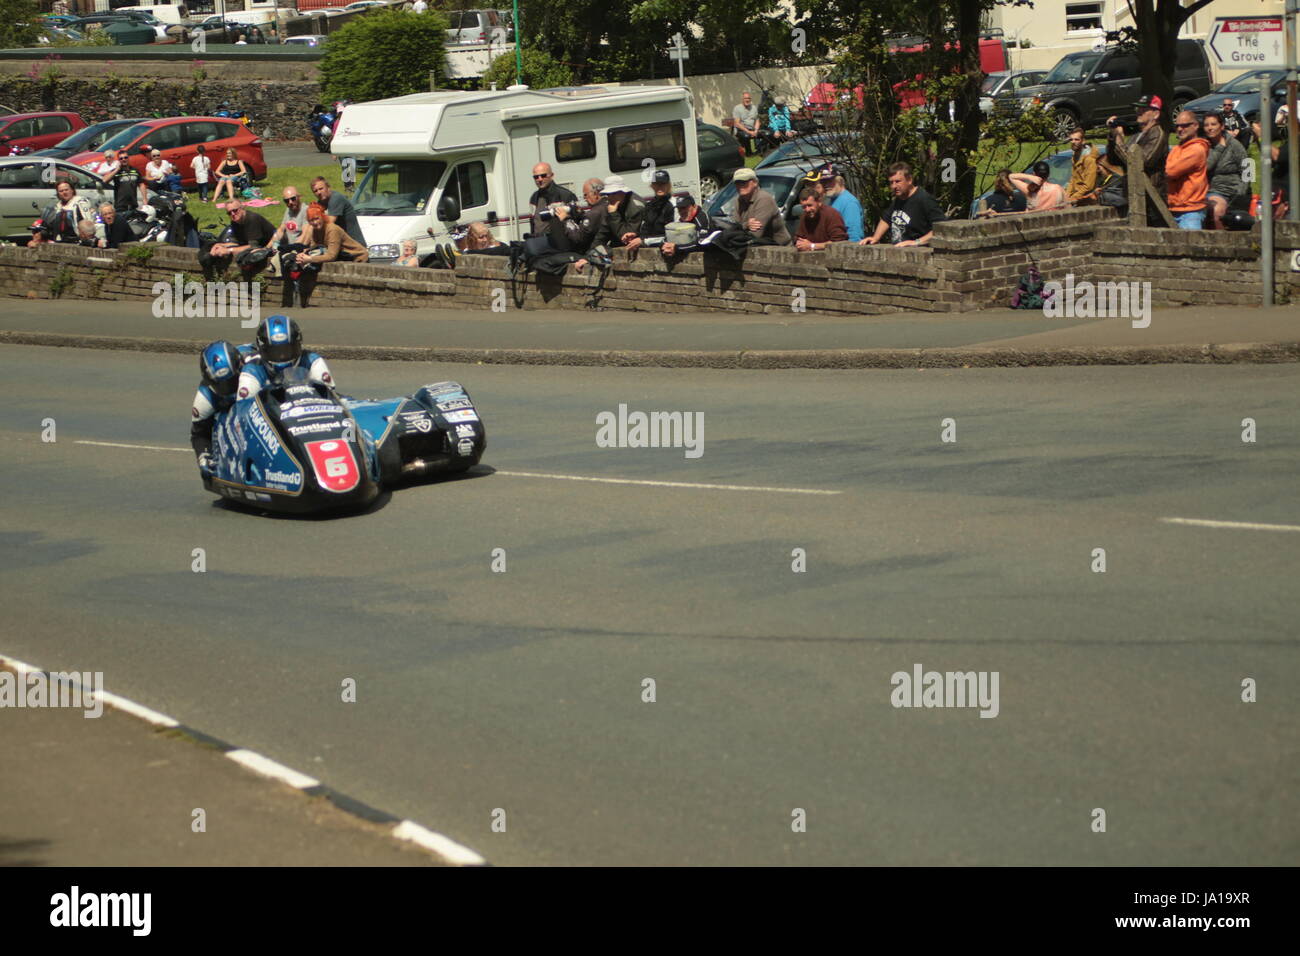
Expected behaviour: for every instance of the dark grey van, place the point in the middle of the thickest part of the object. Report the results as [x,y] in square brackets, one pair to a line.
[1086,88]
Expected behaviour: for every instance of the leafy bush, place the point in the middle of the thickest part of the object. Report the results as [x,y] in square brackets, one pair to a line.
[384,53]
[540,71]
[18,19]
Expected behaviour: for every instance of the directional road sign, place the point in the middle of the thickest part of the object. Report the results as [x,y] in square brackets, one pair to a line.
[1249,43]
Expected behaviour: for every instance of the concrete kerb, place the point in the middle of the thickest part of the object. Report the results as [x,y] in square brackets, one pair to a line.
[968,357]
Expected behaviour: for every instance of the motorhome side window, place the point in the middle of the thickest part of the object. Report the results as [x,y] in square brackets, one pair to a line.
[468,183]
[630,146]
[572,146]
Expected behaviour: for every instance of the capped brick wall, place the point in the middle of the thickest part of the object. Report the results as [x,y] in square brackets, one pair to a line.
[971,265]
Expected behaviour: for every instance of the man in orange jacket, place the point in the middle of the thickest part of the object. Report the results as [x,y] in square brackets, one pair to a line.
[1185,171]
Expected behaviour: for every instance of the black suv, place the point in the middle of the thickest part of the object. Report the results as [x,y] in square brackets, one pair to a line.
[1086,88]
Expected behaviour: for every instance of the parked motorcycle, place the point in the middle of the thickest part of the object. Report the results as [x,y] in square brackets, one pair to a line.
[321,123]
[228,112]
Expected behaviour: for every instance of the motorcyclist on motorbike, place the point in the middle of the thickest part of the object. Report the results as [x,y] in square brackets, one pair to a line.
[279,348]
[220,364]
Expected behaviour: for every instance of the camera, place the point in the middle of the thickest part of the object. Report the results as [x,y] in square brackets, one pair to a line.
[548,213]
[1114,124]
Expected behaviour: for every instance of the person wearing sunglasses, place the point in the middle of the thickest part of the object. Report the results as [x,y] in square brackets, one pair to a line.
[1150,145]
[1185,169]
[288,239]
[547,194]
[244,240]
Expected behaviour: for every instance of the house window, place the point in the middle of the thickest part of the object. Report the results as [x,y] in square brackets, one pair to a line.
[1082,16]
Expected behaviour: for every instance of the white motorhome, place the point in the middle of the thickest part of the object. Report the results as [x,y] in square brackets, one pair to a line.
[452,157]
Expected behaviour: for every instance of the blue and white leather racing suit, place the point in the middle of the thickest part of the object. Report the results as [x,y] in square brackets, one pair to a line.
[256,376]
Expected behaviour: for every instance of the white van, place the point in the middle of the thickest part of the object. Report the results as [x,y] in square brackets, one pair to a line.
[452,157]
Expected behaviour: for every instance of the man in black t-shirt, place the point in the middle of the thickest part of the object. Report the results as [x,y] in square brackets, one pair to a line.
[910,218]
[242,241]
[548,192]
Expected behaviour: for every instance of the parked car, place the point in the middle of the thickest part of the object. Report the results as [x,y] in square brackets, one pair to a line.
[1244,92]
[176,136]
[720,156]
[226,30]
[363,5]
[125,31]
[88,138]
[51,33]
[26,132]
[163,32]
[1086,88]
[476,26]
[781,181]
[1060,163]
[806,150]
[27,187]
[1004,83]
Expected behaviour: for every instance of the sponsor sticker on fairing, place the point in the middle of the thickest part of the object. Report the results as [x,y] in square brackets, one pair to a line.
[291,478]
[465,447]
[463,415]
[456,403]
[305,411]
[262,428]
[312,428]
[464,431]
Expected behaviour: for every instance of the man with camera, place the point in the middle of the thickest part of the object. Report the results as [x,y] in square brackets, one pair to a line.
[580,226]
[1150,145]
[544,199]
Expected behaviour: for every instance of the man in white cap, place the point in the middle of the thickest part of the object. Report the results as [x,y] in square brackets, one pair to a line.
[624,213]
[757,211]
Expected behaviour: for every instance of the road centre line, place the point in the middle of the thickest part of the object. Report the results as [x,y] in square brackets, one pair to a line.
[534,474]
[1238,525]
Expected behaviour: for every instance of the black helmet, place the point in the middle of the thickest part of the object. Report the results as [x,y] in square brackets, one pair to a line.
[279,341]
[1238,220]
[220,363]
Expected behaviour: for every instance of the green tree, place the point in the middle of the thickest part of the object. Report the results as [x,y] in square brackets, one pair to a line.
[385,53]
[1156,40]
[540,70]
[18,24]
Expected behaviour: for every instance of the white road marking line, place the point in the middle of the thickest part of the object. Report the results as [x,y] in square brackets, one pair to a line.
[535,474]
[113,444]
[138,710]
[445,847]
[18,667]
[670,484]
[1242,525]
[269,768]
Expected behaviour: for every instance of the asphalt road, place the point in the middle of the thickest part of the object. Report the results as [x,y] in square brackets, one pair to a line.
[522,691]
[296,153]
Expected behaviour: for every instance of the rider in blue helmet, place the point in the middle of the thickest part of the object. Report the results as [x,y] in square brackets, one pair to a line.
[279,347]
[220,365]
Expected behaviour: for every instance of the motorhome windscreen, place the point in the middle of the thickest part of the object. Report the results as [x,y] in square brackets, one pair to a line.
[400,188]
[630,146]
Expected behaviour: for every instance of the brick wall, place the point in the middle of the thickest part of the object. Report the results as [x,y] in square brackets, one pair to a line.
[971,265]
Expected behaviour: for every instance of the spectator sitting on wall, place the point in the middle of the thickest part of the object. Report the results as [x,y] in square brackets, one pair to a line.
[1185,168]
[745,116]
[63,217]
[757,211]
[1223,167]
[247,234]
[86,234]
[409,257]
[1041,194]
[910,216]
[659,210]
[547,194]
[1151,143]
[819,226]
[622,225]
[326,241]
[116,231]
[778,120]
[339,208]
[687,212]
[843,202]
[241,41]
[1005,199]
[1083,169]
[580,232]
[231,174]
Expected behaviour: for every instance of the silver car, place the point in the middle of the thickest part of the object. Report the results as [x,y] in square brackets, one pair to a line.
[27,187]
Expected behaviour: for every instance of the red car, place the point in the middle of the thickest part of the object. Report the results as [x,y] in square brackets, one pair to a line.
[176,138]
[27,132]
